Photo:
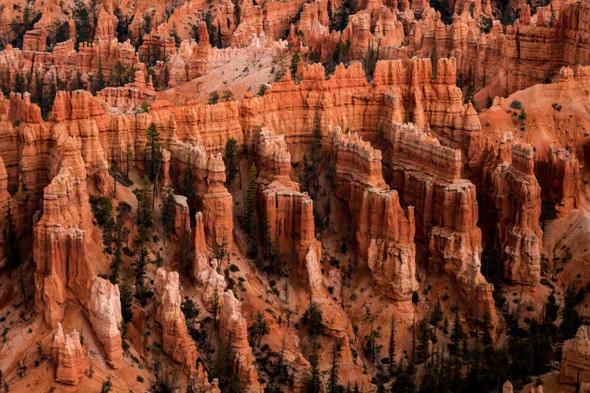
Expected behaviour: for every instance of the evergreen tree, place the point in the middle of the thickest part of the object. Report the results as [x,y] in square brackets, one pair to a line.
[425,335]
[117,255]
[230,159]
[219,37]
[294,62]
[13,257]
[19,84]
[570,317]
[186,254]
[126,296]
[140,265]
[258,329]
[250,216]
[312,382]
[168,214]
[437,315]
[81,16]
[333,386]
[551,309]
[522,114]
[313,319]
[213,98]
[456,335]
[372,350]
[153,152]
[99,80]
[404,383]
[186,184]
[190,311]
[391,348]
[370,61]
[144,210]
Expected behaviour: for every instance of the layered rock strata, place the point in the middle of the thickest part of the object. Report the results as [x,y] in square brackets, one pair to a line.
[68,356]
[512,196]
[427,176]
[287,211]
[383,230]
[233,330]
[575,358]
[175,338]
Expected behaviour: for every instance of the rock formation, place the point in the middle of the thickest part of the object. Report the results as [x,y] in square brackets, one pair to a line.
[104,312]
[233,330]
[428,177]
[384,231]
[68,356]
[562,180]
[575,358]
[288,212]
[59,248]
[175,339]
[514,196]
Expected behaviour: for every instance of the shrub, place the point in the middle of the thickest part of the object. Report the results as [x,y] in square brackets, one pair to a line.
[515,104]
[102,208]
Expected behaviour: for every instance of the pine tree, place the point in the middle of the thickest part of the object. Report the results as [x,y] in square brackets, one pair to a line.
[12,249]
[313,319]
[312,382]
[219,36]
[423,350]
[457,335]
[551,309]
[294,62]
[140,265]
[187,187]
[230,159]
[186,254]
[99,80]
[144,210]
[570,317]
[404,383]
[437,315]
[391,348]
[153,152]
[190,311]
[316,153]
[19,84]
[250,216]
[168,213]
[126,296]
[117,255]
[333,386]
[258,329]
